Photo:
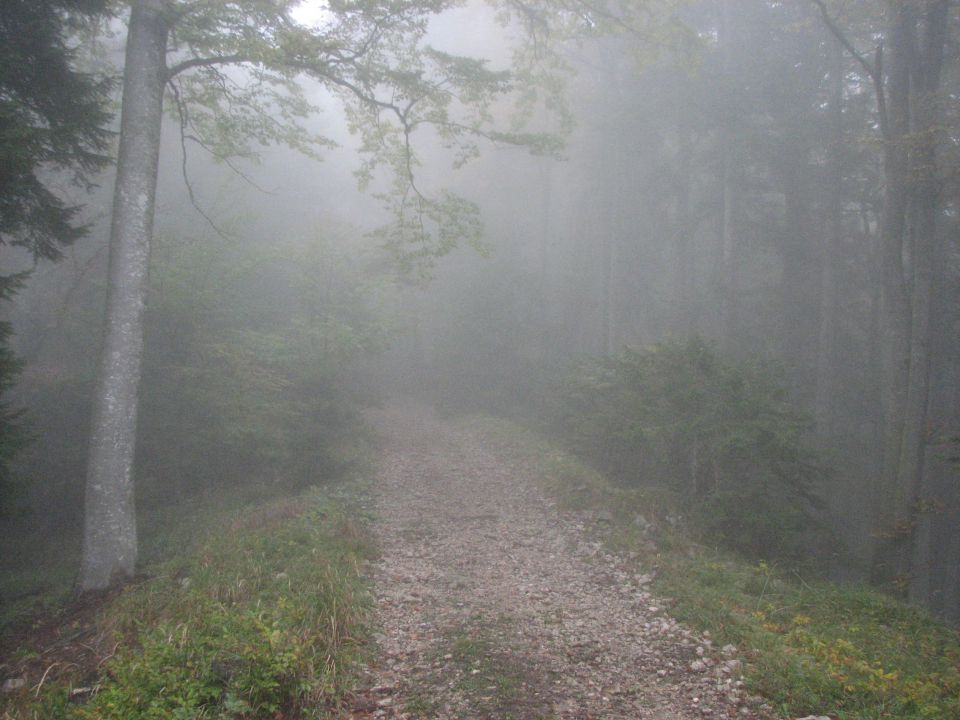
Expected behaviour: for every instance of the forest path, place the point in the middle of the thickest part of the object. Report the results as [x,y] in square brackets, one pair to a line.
[491,604]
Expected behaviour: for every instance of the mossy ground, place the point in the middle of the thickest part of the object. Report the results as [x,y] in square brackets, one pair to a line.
[812,647]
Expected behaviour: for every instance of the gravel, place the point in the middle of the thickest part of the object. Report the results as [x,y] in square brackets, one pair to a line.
[472,551]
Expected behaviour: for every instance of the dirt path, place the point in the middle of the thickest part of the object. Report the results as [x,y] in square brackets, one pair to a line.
[492,605]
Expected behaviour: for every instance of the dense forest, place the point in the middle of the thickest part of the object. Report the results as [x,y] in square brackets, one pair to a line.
[711,246]
[778,179]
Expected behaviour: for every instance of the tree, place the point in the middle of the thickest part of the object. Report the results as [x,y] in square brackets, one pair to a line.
[906,72]
[52,120]
[230,70]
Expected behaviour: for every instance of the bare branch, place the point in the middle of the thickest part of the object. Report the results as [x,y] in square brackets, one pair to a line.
[874,69]
[184,120]
[206,62]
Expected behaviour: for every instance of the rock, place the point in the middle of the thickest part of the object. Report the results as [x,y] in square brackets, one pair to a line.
[80,694]
[731,666]
[698,666]
[13,684]
[641,522]
[729,650]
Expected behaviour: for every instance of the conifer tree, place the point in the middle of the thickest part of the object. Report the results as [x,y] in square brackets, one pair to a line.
[52,120]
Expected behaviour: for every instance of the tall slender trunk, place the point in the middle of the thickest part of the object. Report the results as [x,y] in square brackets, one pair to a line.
[683,227]
[894,300]
[607,300]
[830,257]
[923,232]
[545,235]
[728,284]
[914,83]
[110,533]
[798,280]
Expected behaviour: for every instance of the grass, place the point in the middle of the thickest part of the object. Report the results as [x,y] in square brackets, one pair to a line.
[497,680]
[263,618]
[39,567]
[812,647]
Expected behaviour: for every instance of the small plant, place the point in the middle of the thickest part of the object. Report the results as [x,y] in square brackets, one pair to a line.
[489,671]
[260,621]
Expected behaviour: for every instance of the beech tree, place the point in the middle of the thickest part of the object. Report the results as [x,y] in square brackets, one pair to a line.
[229,72]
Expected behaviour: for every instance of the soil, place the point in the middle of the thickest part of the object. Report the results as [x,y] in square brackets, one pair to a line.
[492,604]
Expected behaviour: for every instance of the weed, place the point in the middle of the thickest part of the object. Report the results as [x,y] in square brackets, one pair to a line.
[420,705]
[259,621]
[490,672]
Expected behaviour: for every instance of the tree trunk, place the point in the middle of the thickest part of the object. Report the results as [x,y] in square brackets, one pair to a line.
[683,229]
[923,232]
[798,280]
[830,257]
[728,284]
[895,311]
[110,535]
[911,194]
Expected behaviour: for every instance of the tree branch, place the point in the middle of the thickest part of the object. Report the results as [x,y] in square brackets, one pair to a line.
[874,70]
[206,62]
[182,113]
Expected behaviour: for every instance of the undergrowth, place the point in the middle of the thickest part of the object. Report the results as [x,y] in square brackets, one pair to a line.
[40,565]
[263,619]
[812,647]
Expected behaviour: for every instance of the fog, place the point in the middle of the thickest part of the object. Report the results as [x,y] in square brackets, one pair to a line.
[719,175]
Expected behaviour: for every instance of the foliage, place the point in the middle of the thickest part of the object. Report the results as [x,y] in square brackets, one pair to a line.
[250,387]
[723,436]
[249,354]
[810,646]
[267,617]
[13,436]
[52,120]
[816,647]
[235,86]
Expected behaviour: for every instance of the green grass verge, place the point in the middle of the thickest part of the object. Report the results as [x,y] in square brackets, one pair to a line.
[812,647]
[39,567]
[264,618]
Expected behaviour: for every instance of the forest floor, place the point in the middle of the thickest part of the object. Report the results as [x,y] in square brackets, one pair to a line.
[491,603]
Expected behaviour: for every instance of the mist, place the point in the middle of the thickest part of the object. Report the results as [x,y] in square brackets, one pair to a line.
[706,251]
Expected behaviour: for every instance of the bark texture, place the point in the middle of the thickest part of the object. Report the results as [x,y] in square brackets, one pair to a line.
[110,534]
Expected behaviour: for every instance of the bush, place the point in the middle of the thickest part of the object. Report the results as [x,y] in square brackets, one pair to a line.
[723,436]
[249,351]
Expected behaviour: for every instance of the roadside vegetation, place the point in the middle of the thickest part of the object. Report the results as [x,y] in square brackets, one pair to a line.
[811,646]
[262,613]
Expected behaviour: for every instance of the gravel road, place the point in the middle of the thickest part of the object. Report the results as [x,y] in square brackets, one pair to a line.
[491,604]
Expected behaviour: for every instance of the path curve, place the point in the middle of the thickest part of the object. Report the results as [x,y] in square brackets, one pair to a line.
[491,604]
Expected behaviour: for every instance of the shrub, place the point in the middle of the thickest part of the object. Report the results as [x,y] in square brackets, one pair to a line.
[723,436]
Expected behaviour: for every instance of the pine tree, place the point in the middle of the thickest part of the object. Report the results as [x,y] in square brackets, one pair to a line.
[52,121]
